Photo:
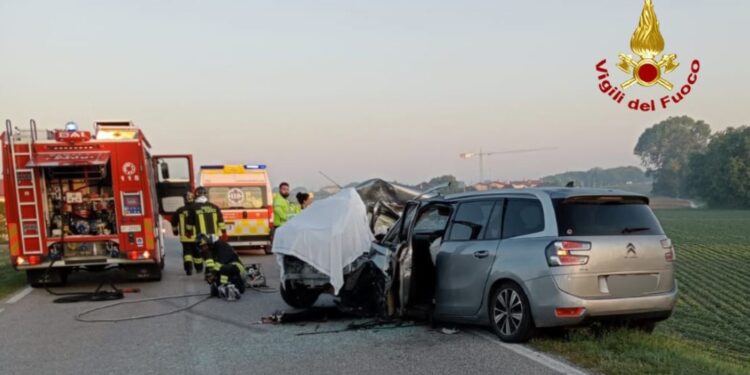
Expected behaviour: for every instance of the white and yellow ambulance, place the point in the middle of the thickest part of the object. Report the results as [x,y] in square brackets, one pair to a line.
[244,195]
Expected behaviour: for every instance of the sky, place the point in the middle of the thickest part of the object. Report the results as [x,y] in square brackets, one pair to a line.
[361,89]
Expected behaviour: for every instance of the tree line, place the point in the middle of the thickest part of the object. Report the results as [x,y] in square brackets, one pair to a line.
[687,160]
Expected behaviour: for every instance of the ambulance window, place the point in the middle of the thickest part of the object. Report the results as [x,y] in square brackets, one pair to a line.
[174,170]
[247,197]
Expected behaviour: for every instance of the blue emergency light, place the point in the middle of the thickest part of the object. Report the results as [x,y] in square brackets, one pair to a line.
[255,166]
[71,126]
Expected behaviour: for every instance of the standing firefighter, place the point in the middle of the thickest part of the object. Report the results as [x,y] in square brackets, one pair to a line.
[208,218]
[183,222]
[224,270]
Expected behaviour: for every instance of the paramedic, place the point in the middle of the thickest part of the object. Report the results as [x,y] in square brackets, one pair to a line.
[281,206]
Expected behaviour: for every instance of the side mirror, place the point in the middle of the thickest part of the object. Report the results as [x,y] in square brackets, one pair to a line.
[164,169]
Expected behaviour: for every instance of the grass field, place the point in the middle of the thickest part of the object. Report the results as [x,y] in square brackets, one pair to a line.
[709,332]
[10,280]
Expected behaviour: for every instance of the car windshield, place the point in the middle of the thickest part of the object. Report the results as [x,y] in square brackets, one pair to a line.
[605,216]
[247,197]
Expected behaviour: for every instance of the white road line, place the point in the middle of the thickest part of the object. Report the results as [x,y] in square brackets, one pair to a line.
[533,355]
[17,297]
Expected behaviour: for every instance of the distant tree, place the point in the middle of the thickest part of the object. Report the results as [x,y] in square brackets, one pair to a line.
[455,185]
[599,177]
[665,148]
[721,174]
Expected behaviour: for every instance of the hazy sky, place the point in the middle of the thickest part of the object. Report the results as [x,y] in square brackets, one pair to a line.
[359,89]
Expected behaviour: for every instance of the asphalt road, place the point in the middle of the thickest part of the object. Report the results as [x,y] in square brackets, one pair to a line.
[218,337]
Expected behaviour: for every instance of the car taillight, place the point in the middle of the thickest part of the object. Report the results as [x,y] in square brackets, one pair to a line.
[20,261]
[669,256]
[567,253]
[569,312]
[133,255]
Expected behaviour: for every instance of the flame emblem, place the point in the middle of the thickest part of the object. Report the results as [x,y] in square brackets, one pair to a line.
[647,42]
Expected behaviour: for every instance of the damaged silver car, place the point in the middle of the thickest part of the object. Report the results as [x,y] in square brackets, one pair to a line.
[517,260]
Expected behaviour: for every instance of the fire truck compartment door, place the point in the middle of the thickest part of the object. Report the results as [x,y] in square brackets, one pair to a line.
[175,177]
[66,159]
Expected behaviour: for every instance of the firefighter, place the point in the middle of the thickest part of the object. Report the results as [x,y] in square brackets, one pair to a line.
[281,206]
[225,272]
[207,216]
[182,222]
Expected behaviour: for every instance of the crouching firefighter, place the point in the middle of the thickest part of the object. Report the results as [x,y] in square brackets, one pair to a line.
[225,273]
[182,222]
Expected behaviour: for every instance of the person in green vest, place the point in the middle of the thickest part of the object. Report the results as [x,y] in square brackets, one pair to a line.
[281,206]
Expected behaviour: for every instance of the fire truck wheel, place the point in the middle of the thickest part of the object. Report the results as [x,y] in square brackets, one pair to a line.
[148,272]
[40,278]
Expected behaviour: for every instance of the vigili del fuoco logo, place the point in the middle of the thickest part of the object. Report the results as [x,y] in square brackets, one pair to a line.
[647,69]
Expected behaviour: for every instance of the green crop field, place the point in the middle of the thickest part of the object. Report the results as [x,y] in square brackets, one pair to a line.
[709,332]
[10,280]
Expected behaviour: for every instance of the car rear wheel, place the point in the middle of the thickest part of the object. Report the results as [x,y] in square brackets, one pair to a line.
[300,298]
[510,314]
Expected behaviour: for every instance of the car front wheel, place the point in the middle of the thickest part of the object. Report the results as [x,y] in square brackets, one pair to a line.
[300,298]
[510,314]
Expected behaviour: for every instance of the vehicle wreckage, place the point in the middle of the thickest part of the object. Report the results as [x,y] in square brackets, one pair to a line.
[338,246]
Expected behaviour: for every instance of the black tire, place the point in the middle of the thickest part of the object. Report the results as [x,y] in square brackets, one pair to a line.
[42,278]
[510,314]
[299,298]
[147,272]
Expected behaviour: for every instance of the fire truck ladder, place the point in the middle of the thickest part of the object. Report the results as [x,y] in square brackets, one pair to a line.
[23,174]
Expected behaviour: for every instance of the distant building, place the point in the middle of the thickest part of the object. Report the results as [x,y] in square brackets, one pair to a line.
[496,185]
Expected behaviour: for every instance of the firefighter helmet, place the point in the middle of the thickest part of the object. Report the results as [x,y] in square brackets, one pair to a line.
[201,191]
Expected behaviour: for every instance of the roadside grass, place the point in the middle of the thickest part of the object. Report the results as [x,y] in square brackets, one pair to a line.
[10,279]
[709,332]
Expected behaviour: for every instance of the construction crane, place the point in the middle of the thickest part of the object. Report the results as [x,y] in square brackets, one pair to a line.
[481,155]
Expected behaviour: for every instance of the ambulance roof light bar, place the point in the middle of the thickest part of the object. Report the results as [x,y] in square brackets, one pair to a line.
[246,166]
[255,166]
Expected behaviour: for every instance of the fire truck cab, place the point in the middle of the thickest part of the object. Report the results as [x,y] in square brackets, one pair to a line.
[243,193]
[80,200]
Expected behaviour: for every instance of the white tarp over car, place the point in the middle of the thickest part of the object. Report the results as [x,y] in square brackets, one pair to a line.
[328,235]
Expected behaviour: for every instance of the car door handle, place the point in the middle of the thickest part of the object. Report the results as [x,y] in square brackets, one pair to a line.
[481,254]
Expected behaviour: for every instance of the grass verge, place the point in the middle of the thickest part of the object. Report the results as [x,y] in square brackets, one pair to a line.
[10,279]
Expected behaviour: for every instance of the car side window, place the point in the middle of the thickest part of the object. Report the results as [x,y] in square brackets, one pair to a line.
[495,226]
[470,220]
[522,216]
[432,219]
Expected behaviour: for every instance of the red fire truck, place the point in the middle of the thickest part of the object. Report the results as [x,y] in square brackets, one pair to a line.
[80,200]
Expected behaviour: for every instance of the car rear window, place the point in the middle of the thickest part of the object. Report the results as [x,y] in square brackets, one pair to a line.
[605,216]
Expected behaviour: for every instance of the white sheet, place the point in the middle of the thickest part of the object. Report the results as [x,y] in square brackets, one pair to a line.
[328,235]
